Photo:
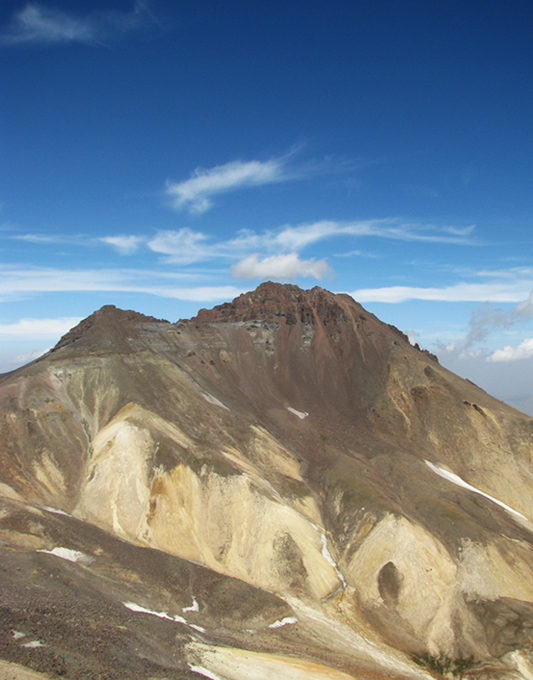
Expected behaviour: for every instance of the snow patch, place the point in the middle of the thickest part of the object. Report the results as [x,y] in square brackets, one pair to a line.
[162,615]
[56,511]
[300,414]
[455,479]
[18,635]
[287,621]
[193,608]
[34,644]
[327,555]
[200,629]
[213,400]
[205,672]
[70,555]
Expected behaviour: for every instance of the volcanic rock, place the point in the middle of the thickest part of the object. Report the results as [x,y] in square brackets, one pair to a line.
[281,485]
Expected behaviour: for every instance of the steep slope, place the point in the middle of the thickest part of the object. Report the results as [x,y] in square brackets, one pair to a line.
[294,442]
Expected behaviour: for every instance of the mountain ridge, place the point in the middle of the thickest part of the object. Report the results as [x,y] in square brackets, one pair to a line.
[290,440]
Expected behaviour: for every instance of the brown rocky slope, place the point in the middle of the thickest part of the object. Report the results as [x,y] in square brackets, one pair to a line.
[282,485]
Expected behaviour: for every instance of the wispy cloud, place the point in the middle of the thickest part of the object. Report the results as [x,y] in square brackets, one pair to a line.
[188,246]
[18,282]
[196,193]
[485,320]
[42,328]
[36,238]
[183,247]
[460,292]
[21,359]
[126,245]
[36,24]
[393,229]
[280,267]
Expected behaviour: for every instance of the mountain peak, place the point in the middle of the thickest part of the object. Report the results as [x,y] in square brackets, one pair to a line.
[106,324]
[270,300]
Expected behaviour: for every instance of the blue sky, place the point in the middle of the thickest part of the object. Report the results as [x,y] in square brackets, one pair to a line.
[167,156]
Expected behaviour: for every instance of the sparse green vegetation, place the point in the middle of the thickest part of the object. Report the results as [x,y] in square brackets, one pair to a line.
[443,664]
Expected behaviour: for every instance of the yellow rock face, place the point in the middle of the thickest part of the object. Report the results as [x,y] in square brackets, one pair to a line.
[209,514]
[239,664]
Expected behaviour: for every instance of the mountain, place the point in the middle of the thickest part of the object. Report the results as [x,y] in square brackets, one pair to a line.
[279,487]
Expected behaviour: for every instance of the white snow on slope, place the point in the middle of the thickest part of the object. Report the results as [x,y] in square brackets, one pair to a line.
[455,479]
[193,608]
[300,414]
[205,672]
[327,555]
[287,621]
[200,629]
[162,615]
[213,400]
[56,511]
[70,555]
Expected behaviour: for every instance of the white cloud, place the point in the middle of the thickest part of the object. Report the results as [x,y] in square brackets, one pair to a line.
[183,247]
[280,267]
[509,353]
[39,327]
[294,238]
[18,282]
[126,245]
[513,291]
[37,238]
[187,246]
[22,359]
[37,24]
[487,318]
[196,193]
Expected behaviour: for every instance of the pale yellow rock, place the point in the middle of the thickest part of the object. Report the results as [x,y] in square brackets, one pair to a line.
[12,671]
[424,566]
[210,519]
[240,664]
[49,474]
[116,492]
[206,515]
[484,572]
[7,492]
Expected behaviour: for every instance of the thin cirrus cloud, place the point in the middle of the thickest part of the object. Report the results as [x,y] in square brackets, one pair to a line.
[36,24]
[184,246]
[513,291]
[125,245]
[16,283]
[280,267]
[42,328]
[187,246]
[21,359]
[196,193]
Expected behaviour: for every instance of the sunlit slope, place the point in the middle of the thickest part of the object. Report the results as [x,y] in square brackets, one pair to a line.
[293,441]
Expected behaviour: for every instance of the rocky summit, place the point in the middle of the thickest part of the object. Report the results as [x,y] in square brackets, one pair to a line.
[281,487]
